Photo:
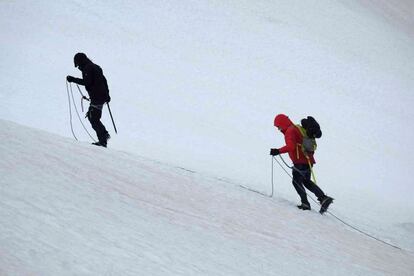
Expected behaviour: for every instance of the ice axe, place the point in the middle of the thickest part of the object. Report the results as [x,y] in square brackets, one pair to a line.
[112,118]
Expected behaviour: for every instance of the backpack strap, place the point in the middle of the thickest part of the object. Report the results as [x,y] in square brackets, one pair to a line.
[302,131]
[308,144]
[298,145]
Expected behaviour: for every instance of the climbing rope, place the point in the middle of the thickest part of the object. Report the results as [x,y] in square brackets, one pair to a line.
[69,87]
[70,113]
[329,212]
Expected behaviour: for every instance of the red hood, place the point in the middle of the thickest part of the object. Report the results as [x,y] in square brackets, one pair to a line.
[283,122]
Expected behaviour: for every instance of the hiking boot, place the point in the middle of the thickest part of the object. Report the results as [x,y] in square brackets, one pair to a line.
[304,206]
[103,140]
[101,144]
[325,202]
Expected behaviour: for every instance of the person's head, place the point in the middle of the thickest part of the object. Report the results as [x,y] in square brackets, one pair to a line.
[80,60]
[282,122]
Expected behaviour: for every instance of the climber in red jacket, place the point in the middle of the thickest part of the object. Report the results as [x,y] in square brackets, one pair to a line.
[302,163]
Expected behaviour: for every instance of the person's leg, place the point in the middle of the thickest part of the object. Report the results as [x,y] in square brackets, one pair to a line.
[323,199]
[297,181]
[94,116]
[315,189]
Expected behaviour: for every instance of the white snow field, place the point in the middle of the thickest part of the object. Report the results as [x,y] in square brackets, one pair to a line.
[62,213]
[195,86]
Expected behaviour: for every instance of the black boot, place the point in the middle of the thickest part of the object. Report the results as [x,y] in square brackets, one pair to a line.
[304,206]
[325,202]
[103,140]
[99,144]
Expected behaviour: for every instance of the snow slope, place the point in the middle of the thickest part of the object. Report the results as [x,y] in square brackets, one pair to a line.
[196,84]
[63,213]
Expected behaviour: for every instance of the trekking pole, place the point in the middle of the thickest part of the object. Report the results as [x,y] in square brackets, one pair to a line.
[110,113]
[271,195]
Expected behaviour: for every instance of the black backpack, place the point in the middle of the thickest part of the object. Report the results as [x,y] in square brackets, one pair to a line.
[313,130]
[310,130]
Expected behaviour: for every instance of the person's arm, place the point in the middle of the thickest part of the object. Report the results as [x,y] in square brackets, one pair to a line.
[87,78]
[75,80]
[290,142]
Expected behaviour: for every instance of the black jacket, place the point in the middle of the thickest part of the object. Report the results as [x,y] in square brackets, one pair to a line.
[94,82]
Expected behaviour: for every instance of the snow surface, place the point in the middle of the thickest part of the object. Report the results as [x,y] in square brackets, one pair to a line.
[63,213]
[196,85]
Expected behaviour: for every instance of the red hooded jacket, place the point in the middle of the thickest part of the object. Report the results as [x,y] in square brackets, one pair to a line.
[293,140]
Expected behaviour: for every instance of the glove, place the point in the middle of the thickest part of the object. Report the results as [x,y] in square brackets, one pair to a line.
[274,152]
[70,79]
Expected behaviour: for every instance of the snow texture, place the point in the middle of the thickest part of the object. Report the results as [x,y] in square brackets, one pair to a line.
[63,213]
[195,87]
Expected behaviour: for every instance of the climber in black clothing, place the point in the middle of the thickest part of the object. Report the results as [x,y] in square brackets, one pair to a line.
[97,87]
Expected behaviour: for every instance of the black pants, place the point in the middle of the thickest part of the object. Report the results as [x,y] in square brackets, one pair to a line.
[301,179]
[94,117]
